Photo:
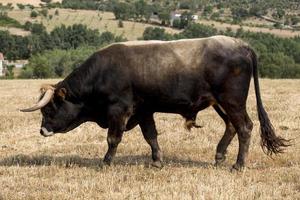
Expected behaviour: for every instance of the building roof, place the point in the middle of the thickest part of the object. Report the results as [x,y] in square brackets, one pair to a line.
[1,56]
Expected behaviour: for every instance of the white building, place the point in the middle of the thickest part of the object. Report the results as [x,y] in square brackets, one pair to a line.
[1,64]
[177,16]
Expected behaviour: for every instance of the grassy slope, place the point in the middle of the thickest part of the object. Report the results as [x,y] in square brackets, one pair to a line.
[69,166]
[224,26]
[104,21]
[132,30]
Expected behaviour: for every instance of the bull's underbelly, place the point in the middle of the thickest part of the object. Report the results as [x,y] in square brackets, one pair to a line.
[177,105]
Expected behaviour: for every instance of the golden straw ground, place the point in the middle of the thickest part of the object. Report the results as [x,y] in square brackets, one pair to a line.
[70,166]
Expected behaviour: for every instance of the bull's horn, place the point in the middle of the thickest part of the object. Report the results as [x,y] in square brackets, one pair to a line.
[46,98]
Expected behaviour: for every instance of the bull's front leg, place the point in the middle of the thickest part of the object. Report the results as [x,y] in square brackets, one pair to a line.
[114,137]
[118,117]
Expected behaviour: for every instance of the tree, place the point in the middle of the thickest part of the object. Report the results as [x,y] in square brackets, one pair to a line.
[239,13]
[106,37]
[28,26]
[164,16]
[156,33]
[139,9]
[185,19]
[207,10]
[46,1]
[38,29]
[295,20]
[280,13]
[33,14]
[20,6]
[44,12]
[123,11]
[194,30]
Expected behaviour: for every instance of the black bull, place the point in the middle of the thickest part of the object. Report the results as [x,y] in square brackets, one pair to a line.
[124,84]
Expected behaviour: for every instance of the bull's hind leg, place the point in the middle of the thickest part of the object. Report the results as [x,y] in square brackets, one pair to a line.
[233,100]
[227,137]
[243,125]
[236,111]
[149,131]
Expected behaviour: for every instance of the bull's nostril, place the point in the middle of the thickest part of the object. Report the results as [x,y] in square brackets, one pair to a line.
[44,132]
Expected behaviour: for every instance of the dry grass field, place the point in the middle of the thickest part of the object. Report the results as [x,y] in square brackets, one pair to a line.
[233,27]
[69,166]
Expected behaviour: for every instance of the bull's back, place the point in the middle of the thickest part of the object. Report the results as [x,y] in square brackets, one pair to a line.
[163,67]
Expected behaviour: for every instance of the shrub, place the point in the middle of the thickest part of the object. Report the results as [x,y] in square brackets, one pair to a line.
[33,14]
[27,26]
[151,33]
[8,22]
[120,23]
[44,12]
[20,6]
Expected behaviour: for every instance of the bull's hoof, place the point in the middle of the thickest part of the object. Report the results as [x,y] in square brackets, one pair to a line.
[107,161]
[220,158]
[158,164]
[237,168]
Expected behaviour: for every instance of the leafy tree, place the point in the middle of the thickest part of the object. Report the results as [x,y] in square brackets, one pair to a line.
[139,8]
[280,13]
[27,26]
[156,33]
[46,1]
[185,19]
[176,23]
[257,10]
[194,30]
[295,20]
[123,11]
[55,63]
[44,12]
[120,23]
[20,6]
[10,73]
[207,10]
[38,29]
[33,14]
[239,13]
[7,21]
[164,16]
[106,37]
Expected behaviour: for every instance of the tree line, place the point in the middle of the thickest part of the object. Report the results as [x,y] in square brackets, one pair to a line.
[18,47]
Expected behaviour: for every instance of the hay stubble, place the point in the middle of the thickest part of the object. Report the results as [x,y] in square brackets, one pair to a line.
[69,166]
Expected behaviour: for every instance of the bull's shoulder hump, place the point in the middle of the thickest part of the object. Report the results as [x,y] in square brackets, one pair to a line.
[230,41]
[159,42]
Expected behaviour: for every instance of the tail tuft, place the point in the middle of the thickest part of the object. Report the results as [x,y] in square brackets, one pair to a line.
[270,143]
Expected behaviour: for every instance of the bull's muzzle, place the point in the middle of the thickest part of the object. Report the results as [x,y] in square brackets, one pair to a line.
[44,132]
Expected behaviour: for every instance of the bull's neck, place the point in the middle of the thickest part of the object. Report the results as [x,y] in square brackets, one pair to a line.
[78,82]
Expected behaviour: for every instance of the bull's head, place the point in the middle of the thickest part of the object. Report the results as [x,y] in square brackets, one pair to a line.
[59,114]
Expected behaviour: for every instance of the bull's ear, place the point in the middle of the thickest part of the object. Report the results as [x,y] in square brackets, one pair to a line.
[62,93]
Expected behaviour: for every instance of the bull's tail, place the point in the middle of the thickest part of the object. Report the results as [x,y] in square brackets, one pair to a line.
[270,143]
